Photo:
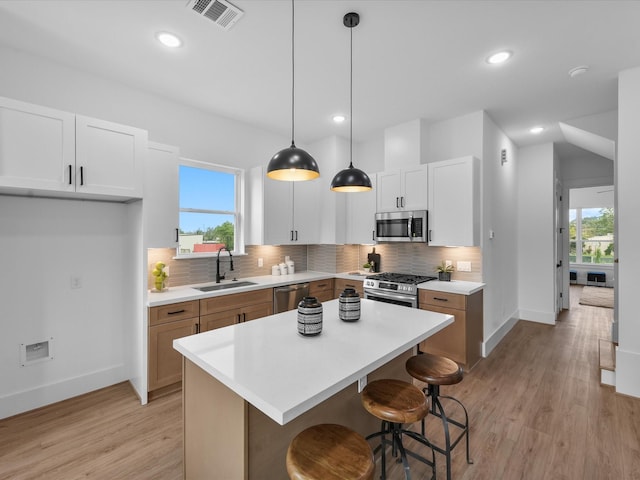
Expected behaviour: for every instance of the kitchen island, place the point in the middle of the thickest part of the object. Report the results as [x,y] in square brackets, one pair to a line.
[248,389]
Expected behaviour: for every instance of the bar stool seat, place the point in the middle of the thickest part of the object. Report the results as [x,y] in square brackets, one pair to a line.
[329,452]
[436,370]
[396,403]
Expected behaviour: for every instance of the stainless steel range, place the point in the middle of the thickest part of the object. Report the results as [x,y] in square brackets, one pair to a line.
[396,288]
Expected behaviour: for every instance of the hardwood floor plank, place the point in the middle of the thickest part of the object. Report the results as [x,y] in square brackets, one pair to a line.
[536,407]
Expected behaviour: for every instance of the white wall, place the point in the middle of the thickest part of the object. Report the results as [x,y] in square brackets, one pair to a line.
[500,253]
[536,268]
[43,244]
[628,203]
[456,137]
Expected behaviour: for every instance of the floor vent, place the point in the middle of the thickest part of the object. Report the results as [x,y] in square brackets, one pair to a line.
[220,12]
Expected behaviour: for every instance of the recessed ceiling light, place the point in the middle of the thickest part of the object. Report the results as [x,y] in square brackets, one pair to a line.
[574,72]
[499,57]
[339,118]
[169,39]
[537,130]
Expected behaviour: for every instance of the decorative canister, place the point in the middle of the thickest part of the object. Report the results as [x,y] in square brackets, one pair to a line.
[349,305]
[309,316]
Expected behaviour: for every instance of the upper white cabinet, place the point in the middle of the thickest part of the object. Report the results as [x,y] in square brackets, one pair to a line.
[282,213]
[361,213]
[161,203]
[42,149]
[404,189]
[454,202]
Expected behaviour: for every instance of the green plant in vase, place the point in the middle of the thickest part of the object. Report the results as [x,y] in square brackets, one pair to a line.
[444,271]
[161,276]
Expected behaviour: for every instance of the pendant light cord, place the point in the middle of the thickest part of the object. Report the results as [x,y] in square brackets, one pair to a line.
[351,100]
[293,74]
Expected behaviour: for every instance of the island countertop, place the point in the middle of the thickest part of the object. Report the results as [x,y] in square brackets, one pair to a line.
[284,374]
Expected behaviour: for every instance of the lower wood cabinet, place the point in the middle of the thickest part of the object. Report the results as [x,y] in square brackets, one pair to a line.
[216,312]
[322,289]
[169,322]
[340,284]
[462,340]
[166,323]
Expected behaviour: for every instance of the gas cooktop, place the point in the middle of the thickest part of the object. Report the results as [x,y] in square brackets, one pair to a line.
[404,278]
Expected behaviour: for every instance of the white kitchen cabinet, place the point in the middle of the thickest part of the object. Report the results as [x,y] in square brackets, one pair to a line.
[454,202]
[161,202]
[282,213]
[404,189]
[48,151]
[361,213]
[37,147]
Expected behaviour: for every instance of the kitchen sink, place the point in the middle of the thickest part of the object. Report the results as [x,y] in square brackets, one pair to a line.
[224,286]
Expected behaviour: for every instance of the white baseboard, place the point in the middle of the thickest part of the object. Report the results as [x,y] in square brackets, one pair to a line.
[19,402]
[495,338]
[627,380]
[607,377]
[548,318]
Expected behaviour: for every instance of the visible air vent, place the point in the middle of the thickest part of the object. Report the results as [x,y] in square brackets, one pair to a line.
[220,12]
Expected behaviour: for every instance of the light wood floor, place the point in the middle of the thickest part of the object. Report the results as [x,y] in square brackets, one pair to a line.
[536,406]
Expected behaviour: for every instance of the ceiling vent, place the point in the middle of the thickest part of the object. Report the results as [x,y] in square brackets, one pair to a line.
[220,12]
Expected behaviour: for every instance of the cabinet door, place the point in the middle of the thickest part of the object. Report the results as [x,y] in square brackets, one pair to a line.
[305,207]
[415,185]
[160,196]
[253,312]
[389,191]
[451,340]
[219,319]
[454,203]
[278,200]
[341,284]
[37,147]
[361,215]
[109,157]
[165,363]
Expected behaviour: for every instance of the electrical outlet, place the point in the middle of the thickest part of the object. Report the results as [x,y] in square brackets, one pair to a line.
[260,262]
[362,382]
[464,266]
[76,282]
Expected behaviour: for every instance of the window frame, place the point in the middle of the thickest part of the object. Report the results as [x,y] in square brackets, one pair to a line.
[239,213]
[580,241]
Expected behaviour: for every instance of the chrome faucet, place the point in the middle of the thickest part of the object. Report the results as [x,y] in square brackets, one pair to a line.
[218,276]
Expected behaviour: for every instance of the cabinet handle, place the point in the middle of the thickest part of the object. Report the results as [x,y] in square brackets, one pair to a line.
[441,299]
[70,174]
[177,232]
[244,317]
[176,312]
[397,202]
[373,234]
[429,235]
[292,235]
[197,327]
[296,235]
[81,175]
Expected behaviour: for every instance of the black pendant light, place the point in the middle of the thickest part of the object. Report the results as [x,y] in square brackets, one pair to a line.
[351,179]
[292,164]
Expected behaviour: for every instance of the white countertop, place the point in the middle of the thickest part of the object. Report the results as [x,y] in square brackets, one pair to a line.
[185,293]
[284,374]
[454,286]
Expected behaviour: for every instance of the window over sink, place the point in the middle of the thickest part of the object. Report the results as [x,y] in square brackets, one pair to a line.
[210,208]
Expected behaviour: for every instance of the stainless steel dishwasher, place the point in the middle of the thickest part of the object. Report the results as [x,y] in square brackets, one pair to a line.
[287,297]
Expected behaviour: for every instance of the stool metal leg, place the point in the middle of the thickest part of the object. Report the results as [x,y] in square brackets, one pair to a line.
[433,392]
[396,431]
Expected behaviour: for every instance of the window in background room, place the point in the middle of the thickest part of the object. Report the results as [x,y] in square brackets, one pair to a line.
[591,235]
[210,208]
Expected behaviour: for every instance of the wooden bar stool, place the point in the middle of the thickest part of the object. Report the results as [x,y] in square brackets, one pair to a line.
[329,452]
[396,403]
[436,370]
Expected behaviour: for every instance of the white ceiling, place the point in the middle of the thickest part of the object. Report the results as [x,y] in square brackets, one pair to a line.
[412,59]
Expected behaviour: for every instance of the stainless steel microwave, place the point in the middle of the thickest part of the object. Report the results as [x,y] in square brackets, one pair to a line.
[405,226]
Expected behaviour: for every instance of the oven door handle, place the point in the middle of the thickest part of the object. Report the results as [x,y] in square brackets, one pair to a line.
[390,296]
